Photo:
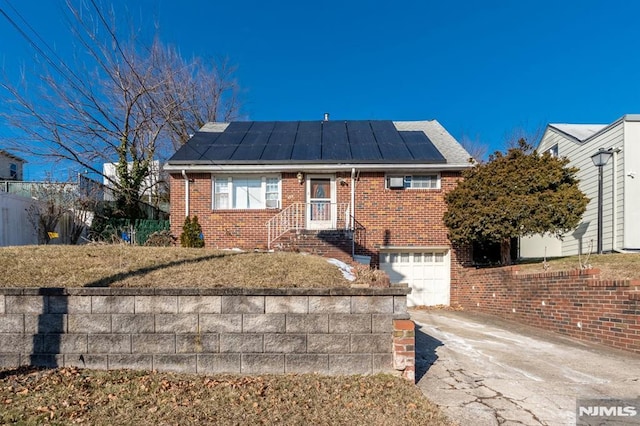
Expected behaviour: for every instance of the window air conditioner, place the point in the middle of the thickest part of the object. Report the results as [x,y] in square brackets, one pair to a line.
[396,182]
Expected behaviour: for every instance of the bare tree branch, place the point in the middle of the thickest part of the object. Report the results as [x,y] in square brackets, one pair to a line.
[123,102]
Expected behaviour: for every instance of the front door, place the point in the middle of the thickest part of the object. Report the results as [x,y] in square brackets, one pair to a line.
[321,206]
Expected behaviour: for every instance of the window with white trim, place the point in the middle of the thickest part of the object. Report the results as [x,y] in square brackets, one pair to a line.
[245,192]
[13,171]
[426,181]
[272,193]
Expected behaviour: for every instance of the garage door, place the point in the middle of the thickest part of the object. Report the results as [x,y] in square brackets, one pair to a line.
[426,272]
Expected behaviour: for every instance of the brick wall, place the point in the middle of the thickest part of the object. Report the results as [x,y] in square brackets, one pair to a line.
[248,331]
[390,217]
[404,348]
[576,303]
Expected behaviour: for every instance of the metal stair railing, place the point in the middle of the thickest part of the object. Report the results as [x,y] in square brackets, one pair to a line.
[293,218]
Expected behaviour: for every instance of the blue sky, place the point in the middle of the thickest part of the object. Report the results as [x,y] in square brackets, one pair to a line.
[483,69]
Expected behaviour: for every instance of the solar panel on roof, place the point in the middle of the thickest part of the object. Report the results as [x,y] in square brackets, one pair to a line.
[196,147]
[258,133]
[280,144]
[254,141]
[362,141]
[390,143]
[421,147]
[308,143]
[335,144]
[223,147]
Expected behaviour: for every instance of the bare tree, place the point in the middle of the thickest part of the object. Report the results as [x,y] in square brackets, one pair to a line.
[126,102]
[202,90]
[475,148]
[514,137]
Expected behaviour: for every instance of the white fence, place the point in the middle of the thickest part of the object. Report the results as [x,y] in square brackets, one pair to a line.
[15,228]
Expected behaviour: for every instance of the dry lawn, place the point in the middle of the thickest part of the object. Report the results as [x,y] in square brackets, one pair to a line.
[122,265]
[73,396]
[615,266]
[133,266]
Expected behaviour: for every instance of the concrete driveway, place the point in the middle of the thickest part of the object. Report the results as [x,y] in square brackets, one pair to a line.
[486,371]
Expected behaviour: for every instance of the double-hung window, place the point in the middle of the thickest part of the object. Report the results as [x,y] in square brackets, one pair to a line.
[421,182]
[246,192]
[426,181]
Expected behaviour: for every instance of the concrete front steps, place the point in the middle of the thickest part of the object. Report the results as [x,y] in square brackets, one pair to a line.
[325,243]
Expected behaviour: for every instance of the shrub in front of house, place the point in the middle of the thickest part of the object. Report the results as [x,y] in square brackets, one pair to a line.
[191,233]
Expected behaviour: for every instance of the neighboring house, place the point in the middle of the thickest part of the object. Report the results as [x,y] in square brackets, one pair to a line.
[10,166]
[153,191]
[150,188]
[621,187]
[370,189]
[15,228]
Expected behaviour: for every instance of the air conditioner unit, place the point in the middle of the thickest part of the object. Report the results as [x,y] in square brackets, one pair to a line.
[395,182]
[272,204]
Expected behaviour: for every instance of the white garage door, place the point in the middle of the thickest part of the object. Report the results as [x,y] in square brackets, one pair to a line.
[426,272]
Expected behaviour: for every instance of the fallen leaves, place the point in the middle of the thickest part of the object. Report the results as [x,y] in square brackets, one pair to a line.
[71,396]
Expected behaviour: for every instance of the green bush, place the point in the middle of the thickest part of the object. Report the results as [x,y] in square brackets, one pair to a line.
[191,233]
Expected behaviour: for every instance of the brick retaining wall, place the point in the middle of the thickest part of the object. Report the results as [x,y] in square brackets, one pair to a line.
[233,330]
[574,303]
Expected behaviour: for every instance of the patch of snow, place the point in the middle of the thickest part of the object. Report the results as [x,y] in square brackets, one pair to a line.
[344,268]
[581,132]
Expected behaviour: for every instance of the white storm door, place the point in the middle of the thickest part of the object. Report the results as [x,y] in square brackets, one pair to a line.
[321,205]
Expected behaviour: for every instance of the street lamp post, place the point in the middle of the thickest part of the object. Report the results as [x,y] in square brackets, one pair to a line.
[599,159]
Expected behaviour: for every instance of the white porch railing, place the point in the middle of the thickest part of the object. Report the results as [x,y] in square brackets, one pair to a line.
[294,218]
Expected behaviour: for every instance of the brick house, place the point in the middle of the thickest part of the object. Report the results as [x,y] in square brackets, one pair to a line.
[369,190]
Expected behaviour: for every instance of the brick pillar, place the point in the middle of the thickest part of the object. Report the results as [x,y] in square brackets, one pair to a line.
[404,348]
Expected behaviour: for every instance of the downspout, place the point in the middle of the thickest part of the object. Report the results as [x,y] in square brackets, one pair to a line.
[353,212]
[186,193]
[614,189]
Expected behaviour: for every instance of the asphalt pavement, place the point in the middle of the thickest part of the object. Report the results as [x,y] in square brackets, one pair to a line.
[485,371]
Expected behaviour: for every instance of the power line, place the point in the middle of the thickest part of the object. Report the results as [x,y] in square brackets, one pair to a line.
[72,78]
[28,39]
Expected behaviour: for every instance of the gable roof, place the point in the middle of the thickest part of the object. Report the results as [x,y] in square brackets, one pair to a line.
[320,143]
[13,157]
[581,132]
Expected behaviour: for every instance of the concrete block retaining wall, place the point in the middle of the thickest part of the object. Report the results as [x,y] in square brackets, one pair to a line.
[246,331]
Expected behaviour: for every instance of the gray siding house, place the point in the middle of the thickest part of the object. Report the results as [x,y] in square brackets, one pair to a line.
[621,187]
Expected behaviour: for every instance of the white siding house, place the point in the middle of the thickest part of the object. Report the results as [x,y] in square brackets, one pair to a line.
[10,166]
[621,187]
[150,185]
